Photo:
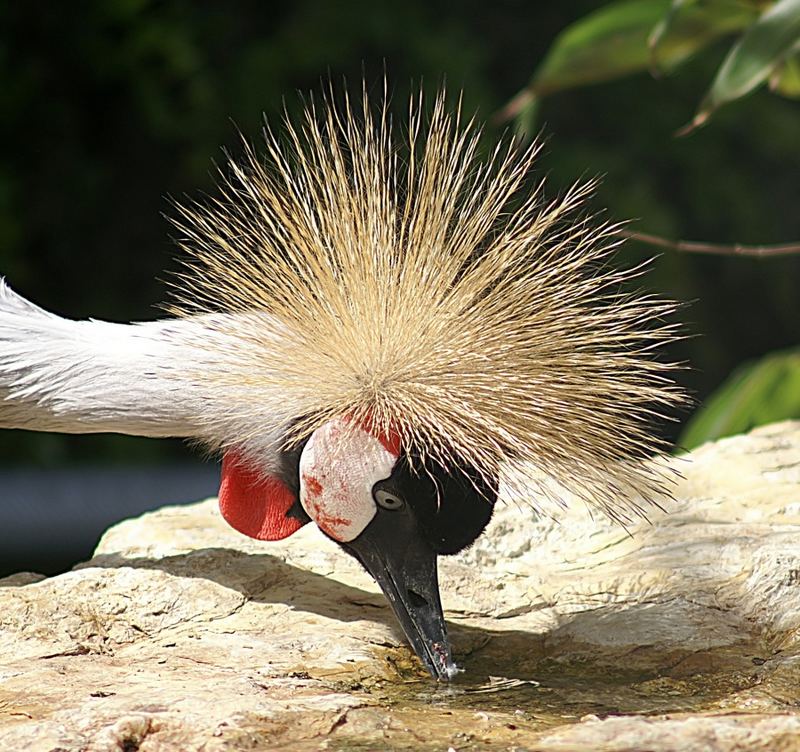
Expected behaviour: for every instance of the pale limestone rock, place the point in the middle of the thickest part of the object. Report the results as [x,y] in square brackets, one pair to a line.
[180,634]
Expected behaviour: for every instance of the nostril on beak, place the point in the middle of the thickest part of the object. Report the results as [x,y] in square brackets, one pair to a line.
[416,600]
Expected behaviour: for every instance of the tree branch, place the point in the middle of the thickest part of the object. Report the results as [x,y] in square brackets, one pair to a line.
[717,249]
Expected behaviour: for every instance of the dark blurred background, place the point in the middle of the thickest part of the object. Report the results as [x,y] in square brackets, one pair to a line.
[108,107]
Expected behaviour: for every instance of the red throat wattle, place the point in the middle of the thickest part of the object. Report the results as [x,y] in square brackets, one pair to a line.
[255,504]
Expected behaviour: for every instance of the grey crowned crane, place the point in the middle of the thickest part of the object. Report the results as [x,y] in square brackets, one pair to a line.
[372,336]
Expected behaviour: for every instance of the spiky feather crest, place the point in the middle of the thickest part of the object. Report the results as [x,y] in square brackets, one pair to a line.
[432,291]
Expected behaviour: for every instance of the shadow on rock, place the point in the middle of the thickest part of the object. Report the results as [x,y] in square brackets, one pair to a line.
[263,578]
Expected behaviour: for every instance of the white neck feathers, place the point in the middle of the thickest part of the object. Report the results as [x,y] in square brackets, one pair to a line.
[92,376]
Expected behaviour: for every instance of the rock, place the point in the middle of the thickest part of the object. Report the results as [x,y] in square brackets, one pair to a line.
[21,578]
[678,634]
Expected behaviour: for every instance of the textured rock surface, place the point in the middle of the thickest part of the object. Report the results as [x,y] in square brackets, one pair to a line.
[180,634]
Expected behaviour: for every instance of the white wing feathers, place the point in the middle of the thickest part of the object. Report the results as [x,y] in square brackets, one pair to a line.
[143,379]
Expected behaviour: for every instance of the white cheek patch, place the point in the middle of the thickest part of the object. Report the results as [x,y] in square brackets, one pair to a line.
[338,468]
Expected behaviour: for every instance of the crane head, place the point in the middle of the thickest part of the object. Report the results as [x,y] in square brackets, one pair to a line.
[425,282]
[395,516]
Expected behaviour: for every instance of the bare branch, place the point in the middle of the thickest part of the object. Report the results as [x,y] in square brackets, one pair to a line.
[717,249]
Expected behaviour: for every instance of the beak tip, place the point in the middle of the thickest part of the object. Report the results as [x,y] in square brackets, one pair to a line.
[441,665]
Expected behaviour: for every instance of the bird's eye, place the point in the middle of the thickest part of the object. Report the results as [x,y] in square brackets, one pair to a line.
[388,500]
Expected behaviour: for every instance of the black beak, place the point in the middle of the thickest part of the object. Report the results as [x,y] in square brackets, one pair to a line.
[405,568]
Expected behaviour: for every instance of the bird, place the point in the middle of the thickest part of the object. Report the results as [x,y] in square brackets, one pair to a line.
[382,330]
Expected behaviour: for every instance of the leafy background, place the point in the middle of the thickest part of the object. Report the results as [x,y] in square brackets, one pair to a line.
[110,106]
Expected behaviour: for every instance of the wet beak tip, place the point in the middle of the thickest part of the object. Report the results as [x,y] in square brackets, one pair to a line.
[445,668]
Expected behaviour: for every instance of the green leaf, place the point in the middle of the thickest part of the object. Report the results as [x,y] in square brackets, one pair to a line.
[756,393]
[606,44]
[613,40]
[753,58]
[785,80]
[690,24]
[664,25]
